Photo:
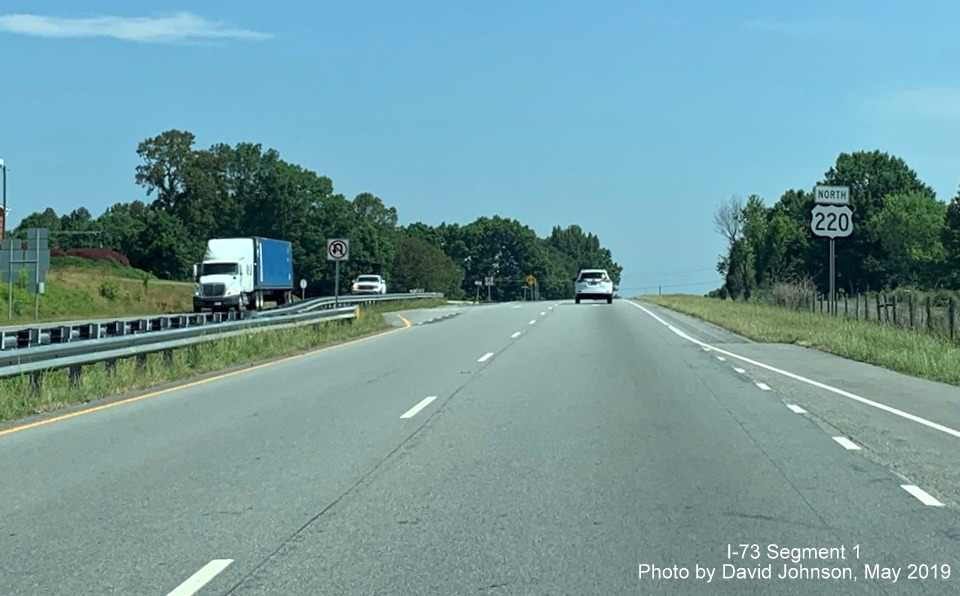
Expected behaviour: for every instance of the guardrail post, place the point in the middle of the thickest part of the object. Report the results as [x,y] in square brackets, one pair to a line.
[141,360]
[90,331]
[76,375]
[36,381]
[110,367]
[168,357]
[60,335]
[28,337]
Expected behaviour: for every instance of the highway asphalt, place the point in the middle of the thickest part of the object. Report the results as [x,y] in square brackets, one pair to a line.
[527,448]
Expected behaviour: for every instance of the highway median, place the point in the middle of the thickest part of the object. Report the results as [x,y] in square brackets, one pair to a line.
[27,395]
[903,350]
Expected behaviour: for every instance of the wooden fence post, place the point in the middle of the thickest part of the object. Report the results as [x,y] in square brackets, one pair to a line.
[929,308]
[952,316]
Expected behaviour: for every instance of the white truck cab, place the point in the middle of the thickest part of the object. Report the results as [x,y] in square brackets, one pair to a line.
[369,284]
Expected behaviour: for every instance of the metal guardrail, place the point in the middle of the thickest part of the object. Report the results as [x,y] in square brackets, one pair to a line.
[109,341]
[61,333]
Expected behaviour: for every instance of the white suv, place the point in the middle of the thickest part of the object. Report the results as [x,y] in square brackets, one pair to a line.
[593,284]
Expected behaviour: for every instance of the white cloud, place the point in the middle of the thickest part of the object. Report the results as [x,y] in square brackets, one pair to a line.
[930,103]
[182,26]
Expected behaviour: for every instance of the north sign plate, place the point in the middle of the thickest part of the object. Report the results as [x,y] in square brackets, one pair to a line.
[831,195]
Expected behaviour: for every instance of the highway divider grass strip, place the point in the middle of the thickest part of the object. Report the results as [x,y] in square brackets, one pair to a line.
[902,350]
[396,305]
[20,396]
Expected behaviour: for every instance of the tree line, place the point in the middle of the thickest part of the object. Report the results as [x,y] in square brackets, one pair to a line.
[903,236]
[194,194]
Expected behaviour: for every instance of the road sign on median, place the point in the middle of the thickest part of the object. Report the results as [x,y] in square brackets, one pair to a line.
[831,195]
[488,281]
[531,280]
[338,249]
[832,221]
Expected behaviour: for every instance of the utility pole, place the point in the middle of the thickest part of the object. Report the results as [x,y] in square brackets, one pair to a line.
[3,228]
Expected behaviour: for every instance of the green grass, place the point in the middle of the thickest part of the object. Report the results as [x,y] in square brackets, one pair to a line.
[909,352]
[78,288]
[110,268]
[19,397]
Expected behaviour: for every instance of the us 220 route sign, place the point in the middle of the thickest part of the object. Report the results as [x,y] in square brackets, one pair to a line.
[832,221]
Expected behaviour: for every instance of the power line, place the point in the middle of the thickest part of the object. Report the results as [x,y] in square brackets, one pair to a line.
[677,272]
[684,285]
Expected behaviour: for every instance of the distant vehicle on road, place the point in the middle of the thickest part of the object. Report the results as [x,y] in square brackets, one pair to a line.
[593,284]
[368,284]
[243,272]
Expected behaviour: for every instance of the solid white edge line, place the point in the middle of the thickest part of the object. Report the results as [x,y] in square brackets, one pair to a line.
[533,321]
[485,357]
[847,443]
[515,335]
[763,386]
[928,423]
[739,370]
[201,577]
[796,409]
[416,409]
[921,495]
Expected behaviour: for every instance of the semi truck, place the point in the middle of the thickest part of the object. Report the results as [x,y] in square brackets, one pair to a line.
[243,272]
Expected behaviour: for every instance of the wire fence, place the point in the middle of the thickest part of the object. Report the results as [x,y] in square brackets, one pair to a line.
[933,313]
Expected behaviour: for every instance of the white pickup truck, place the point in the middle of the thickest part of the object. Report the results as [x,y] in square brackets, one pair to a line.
[368,284]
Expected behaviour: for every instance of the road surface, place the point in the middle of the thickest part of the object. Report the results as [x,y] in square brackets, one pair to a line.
[527,448]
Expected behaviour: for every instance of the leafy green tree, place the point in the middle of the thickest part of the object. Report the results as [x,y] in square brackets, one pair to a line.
[166,159]
[872,177]
[47,219]
[165,247]
[123,226]
[910,229]
[419,264]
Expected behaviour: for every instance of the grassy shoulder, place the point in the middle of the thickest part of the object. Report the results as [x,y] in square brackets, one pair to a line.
[19,398]
[905,351]
[79,288]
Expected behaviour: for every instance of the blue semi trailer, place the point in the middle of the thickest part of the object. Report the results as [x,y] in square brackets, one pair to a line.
[243,272]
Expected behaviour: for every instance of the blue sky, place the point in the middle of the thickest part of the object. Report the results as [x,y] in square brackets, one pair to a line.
[631,119]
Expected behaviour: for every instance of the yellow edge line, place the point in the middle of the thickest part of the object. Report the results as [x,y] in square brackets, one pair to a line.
[9,431]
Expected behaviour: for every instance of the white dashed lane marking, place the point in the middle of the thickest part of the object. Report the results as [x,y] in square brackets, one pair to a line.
[416,409]
[921,495]
[847,443]
[201,578]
